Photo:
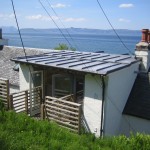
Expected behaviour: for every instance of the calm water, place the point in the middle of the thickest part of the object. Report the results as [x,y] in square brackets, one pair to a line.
[82,42]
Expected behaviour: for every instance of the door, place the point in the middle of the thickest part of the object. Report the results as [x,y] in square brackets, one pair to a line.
[62,85]
[36,80]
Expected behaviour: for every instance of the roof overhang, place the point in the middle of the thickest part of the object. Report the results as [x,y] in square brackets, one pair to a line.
[95,63]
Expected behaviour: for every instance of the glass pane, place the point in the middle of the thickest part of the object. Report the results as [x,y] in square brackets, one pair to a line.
[63,83]
[37,79]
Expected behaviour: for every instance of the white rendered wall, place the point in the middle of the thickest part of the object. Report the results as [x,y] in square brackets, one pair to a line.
[14,89]
[135,125]
[118,89]
[24,76]
[93,103]
[145,55]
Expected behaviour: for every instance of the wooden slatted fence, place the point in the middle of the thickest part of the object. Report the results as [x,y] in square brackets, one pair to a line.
[20,101]
[65,113]
[4,91]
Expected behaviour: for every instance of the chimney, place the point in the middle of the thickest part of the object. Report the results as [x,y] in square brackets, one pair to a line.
[149,36]
[145,35]
[142,50]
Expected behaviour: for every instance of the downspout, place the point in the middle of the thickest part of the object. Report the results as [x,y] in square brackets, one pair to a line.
[102,108]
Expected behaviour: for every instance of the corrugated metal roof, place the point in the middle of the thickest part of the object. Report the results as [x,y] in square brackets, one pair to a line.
[98,63]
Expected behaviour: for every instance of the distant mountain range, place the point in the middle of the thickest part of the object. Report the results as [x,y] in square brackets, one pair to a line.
[11,29]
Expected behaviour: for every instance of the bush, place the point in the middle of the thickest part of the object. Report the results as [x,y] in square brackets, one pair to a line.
[64,47]
[1,105]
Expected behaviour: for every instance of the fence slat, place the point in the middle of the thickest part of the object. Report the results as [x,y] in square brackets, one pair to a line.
[26,101]
[63,114]
[63,110]
[21,100]
[11,102]
[65,123]
[61,105]
[62,118]
[53,98]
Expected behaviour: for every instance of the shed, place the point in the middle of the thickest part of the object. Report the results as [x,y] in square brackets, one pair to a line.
[104,81]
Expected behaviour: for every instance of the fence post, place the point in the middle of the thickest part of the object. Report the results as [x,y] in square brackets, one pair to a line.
[11,102]
[40,94]
[42,111]
[79,119]
[26,101]
[7,85]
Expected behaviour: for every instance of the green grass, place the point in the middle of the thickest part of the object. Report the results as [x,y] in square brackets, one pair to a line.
[20,132]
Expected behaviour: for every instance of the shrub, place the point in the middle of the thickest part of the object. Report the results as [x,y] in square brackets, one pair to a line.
[64,47]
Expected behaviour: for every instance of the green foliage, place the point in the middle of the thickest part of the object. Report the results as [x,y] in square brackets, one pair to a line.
[1,105]
[2,110]
[20,132]
[64,47]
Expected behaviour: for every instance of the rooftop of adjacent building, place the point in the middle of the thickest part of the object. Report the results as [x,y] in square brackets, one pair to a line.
[6,65]
[138,103]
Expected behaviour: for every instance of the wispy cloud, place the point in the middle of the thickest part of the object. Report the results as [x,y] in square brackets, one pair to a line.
[124,20]
[60,5]
[74,19]
[40,17]
[6,16]
[47,18]
[126,5]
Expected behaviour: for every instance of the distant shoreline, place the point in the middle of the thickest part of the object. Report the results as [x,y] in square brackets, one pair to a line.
[72,31]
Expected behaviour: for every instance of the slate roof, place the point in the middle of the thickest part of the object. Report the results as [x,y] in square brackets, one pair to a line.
[138,103]
[6,66]
[97,63]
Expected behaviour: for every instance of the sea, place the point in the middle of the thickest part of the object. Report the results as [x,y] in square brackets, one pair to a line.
[81,42]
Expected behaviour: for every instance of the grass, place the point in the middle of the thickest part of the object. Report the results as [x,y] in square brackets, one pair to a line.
[20,132]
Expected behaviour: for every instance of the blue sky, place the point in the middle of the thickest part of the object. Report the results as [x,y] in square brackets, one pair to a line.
[123,14]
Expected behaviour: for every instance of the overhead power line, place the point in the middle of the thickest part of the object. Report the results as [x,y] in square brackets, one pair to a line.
[55,23]
[99,4]
[62,24]
[21,38]
[18,28]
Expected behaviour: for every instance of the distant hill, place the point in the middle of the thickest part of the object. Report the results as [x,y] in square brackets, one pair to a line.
[8,29]
[72,30]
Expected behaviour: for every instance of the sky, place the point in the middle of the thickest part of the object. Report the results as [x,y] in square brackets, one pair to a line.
[123,14]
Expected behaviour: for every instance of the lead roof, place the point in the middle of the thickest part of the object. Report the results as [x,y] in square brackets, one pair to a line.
[97,63]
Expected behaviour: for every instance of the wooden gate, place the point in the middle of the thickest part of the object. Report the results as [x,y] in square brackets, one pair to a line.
[65,113]
[22,101]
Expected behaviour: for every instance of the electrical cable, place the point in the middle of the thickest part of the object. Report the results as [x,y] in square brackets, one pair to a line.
[55,23]
[21,39]
[99,4]
[19,29]
[63,24]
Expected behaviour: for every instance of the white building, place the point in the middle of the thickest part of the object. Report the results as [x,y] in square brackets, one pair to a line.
[105,82]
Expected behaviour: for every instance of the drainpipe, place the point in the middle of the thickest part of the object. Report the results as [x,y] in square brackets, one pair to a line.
[102,108]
